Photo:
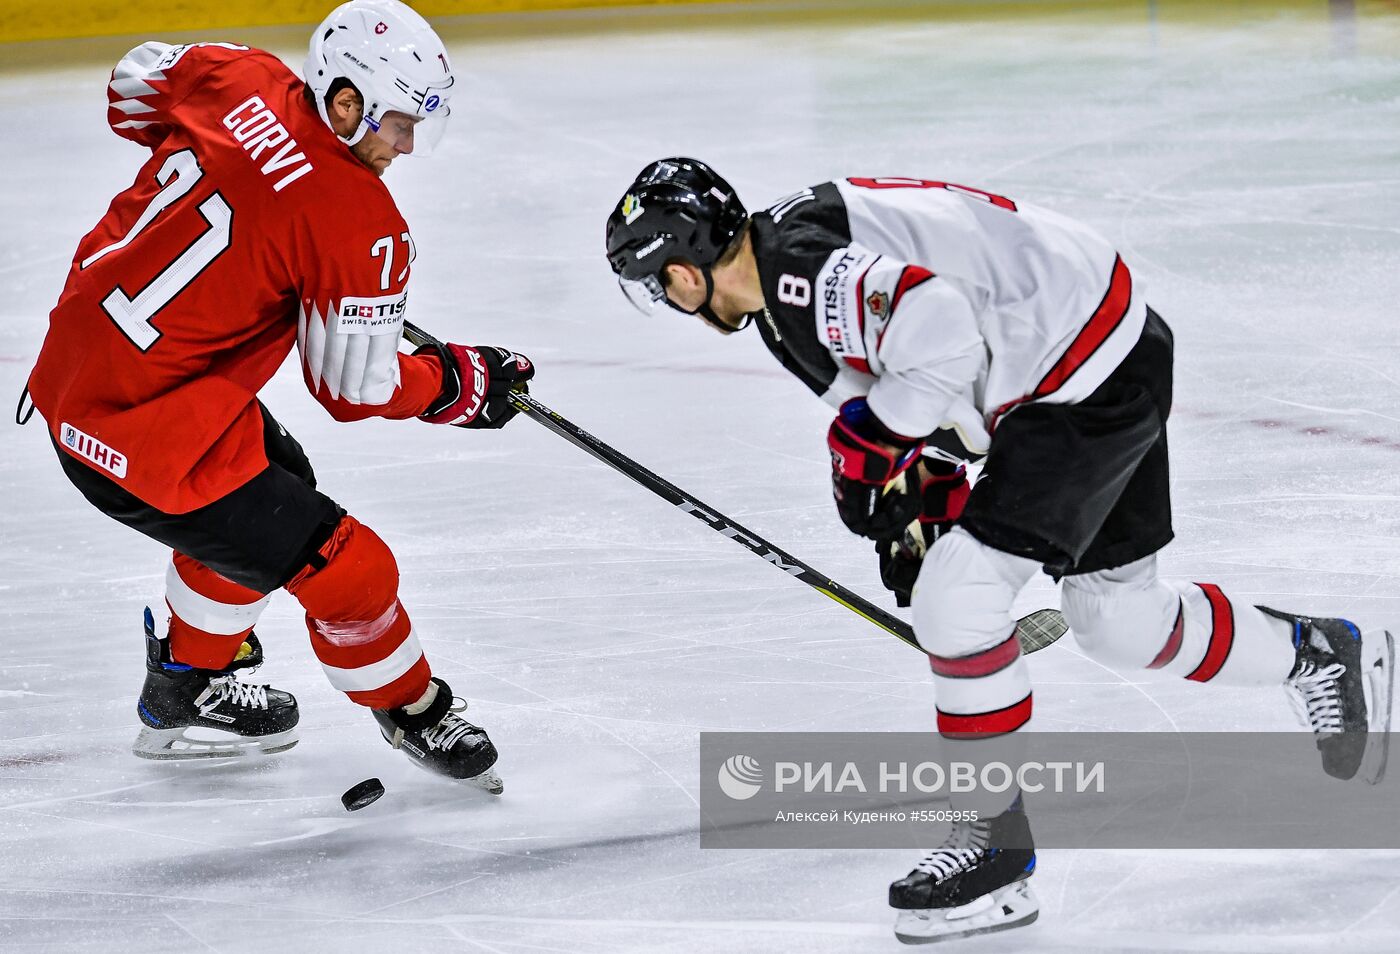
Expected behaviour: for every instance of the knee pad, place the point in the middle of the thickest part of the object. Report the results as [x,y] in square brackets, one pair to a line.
[962,598]
[359,630]
[358,582]
[1123,616]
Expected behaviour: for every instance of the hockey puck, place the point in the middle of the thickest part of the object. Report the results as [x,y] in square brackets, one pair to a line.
[364,793]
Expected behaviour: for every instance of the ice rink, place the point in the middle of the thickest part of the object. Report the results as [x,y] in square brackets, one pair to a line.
[1246,166]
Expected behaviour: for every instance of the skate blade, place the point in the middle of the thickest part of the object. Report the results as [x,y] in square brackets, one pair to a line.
[1378,684]
[490,781]
[178,744]
[487,780]
[1006,908]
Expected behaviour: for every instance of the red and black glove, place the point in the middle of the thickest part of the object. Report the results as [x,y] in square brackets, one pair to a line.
[865,457]
[943,492]
[476,385]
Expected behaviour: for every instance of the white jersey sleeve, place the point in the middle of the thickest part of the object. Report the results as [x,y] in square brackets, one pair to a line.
[1054,307]
[847,384]
[915,335]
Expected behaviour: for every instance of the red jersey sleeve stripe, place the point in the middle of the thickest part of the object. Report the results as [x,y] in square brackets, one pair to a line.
[1105,320]
[860,298]
[1222,634]
[912,277]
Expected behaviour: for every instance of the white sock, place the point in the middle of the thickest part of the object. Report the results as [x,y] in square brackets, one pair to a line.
[424,701]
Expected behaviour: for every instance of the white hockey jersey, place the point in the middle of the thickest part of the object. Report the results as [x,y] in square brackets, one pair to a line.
[945,305]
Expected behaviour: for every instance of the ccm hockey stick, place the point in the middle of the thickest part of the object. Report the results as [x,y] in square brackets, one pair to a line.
[1035,631]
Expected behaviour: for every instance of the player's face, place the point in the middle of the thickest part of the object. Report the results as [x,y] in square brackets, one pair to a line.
[394,138]
[396,129]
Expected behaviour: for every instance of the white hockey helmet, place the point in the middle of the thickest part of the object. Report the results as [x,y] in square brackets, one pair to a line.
[396,63]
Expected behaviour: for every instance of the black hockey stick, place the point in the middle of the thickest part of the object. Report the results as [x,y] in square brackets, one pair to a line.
[1035,631]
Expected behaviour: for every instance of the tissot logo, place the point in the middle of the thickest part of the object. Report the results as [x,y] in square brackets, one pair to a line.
[837,320]
[371,316]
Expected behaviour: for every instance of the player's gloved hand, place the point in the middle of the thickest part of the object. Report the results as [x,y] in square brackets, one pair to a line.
[865,457]
[476,385]
[943,494]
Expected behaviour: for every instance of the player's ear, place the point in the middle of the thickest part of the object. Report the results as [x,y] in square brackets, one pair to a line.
[680,274]
[347,105]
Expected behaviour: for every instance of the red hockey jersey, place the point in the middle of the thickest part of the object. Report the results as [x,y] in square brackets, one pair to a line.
[251,227]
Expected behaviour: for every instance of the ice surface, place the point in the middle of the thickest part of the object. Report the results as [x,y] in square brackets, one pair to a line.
[1246,166]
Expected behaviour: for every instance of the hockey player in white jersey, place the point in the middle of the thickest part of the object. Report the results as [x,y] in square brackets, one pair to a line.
[947,325]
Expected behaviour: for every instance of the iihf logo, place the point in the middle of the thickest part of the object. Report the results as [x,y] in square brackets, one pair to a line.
[740,777]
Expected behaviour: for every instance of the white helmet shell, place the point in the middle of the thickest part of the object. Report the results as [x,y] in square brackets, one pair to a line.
[393,58]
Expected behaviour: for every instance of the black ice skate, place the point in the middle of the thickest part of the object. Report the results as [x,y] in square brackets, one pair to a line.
[1340,687]
[441,741]
[191,713]
[973,883]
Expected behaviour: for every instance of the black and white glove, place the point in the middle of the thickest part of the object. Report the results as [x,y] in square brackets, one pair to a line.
[943,492]
[476,385]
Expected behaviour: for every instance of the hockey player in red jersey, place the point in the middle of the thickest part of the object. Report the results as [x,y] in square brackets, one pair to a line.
[258,224]
[947,324]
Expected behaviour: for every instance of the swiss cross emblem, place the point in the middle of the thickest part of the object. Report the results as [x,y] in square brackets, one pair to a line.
[878,303]
[366,311]
[381,27]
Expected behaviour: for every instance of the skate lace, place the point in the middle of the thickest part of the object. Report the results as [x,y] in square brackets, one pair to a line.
[241,694]
[965,847]
[451,728]
[1317,700]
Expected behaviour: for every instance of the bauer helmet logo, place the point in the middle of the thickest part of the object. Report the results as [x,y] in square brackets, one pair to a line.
[740,777]
[631,208]
[381,28]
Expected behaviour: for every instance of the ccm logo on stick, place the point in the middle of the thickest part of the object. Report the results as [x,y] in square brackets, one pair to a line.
[736,534]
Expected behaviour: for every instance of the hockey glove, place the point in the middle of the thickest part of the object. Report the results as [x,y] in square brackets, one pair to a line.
[865,457]
[944,492]
[476,385]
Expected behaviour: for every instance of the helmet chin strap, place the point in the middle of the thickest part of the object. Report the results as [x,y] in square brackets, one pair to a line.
[707,313]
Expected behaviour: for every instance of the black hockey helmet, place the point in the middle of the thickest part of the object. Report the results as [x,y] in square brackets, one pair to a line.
[676,208]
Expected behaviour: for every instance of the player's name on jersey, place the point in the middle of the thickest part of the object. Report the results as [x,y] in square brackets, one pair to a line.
[257,129]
